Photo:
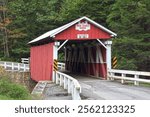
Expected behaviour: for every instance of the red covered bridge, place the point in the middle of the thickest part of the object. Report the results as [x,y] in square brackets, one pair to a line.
[87,47]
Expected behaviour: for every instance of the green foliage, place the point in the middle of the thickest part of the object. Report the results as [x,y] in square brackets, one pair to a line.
[61,56]
[12,91]
[126,64]
[130,18]
[132,53]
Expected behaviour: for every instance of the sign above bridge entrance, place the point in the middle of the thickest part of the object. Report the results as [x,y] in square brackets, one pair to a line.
[83,26]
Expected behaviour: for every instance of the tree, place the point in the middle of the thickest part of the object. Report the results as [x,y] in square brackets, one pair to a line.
[4,22]
[95,9]
[130,19]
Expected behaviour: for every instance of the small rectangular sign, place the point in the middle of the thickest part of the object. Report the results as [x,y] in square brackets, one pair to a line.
[83,36]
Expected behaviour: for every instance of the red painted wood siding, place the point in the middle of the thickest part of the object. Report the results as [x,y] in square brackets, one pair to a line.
[71,33]
[41,61]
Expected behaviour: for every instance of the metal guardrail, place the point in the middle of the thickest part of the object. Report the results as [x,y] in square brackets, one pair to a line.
[122,75]
[69,83]
[13,66]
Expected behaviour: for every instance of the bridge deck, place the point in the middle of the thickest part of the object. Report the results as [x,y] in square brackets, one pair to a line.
[107,90]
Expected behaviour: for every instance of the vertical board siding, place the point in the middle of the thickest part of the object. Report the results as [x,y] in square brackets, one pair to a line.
[41,61]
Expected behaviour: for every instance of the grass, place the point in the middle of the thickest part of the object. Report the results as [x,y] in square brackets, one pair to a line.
[145,84]
[11,90]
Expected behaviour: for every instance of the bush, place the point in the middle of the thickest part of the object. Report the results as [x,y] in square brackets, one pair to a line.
[12,91]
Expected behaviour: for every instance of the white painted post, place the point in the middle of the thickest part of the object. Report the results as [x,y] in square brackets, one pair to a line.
[5,65]
[76,95]
[108,54]
[69,86]
[65,82]
[57,78]
[61,80]
[112,74]
[122,80]
[136,82]
[19,66]
[54,76]
[55,56]
[12,66]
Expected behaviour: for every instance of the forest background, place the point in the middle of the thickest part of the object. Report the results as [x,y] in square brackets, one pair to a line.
[23,20]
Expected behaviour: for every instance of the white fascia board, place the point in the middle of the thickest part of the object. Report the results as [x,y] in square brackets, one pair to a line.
[47,34]
[41,37]
[101,27]
[52,33]
[62,28]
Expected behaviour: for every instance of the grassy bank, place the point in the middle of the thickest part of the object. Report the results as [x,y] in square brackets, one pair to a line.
[11,90]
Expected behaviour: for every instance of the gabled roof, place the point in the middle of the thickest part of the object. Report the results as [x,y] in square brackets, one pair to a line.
[56,31]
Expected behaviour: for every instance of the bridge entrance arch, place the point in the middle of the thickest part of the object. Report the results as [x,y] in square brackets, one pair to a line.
[87,47]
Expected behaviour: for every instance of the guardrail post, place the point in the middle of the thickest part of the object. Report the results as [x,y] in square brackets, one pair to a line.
[108,75]
[12,66]
[136,82]
[112,74]
[54,76]
[5,65]
[57,78]
[65,82]
[122,80]
[76,95]
[61,80]
[18,66]
[69,86]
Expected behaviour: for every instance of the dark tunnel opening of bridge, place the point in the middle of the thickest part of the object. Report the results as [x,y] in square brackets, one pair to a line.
[86,57]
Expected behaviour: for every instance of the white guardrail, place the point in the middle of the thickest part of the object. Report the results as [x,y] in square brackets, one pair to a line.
[13,66]
[25,60]
[134,76]
[69,83]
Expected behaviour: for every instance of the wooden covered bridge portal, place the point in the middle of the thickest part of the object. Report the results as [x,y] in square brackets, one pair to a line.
[87,47]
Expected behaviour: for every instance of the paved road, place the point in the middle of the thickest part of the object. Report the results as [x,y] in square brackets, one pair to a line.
[107,90]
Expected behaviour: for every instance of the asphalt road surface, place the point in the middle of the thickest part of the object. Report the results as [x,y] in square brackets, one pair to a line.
[96,89]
